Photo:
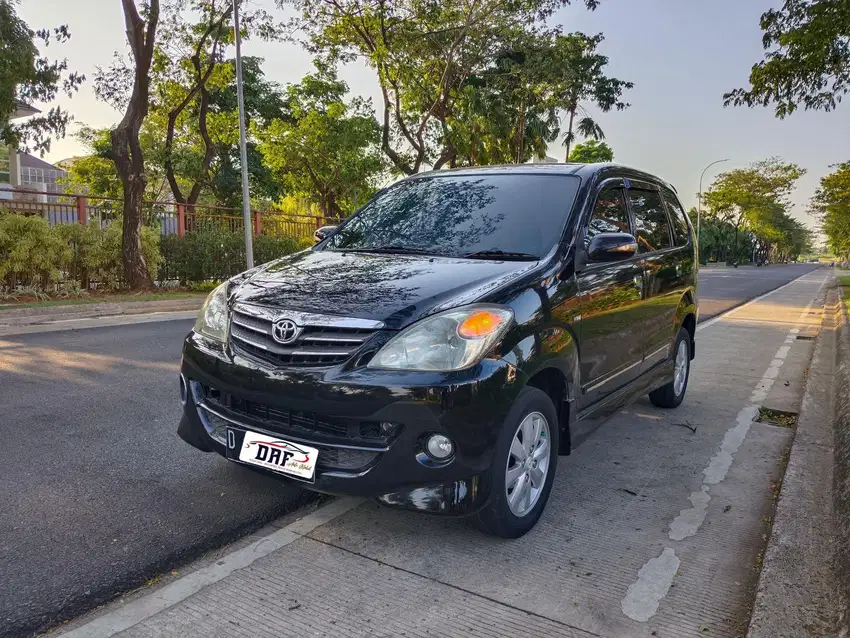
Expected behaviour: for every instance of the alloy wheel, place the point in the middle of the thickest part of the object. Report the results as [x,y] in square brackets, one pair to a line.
[528,464]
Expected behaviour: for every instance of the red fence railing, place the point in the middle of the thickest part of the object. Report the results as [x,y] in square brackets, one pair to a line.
[170,217]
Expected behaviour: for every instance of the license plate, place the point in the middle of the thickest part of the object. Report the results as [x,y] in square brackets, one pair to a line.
[278,455]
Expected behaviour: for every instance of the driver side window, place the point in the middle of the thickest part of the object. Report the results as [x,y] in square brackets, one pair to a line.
[609,215]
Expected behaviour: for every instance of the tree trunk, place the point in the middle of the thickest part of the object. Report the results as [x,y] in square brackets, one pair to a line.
[126,151]
[520,131]
[570,134]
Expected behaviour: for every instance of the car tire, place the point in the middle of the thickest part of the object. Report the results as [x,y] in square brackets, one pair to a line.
[672,394]
[510,513]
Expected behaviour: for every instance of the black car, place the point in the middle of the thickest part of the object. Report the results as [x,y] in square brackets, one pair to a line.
[440,348]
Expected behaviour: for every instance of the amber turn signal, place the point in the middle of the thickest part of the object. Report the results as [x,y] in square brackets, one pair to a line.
[479,324]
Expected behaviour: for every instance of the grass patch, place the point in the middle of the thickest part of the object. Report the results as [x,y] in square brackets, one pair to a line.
[106,298]
[777,417]
[844,280]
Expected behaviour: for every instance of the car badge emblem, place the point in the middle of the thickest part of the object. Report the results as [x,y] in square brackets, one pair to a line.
[285,331]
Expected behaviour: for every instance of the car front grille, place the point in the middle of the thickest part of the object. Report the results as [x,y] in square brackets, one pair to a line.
[335,437]
[330,458]
[321,340]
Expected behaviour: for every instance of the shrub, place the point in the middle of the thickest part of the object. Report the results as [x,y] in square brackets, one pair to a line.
[215,255]
[106,264]
[31,254]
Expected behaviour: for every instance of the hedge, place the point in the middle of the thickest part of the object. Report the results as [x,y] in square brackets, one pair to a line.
[35,255]
[215,255]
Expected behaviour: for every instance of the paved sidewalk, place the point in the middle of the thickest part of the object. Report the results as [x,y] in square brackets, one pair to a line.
[655,526]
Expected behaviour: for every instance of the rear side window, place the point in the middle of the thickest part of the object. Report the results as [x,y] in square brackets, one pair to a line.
[681,233]
[609,215]
[652,228]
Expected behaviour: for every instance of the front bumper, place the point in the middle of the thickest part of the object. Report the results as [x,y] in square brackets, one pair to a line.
[339,411]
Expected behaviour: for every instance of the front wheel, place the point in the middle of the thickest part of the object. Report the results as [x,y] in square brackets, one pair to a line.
[671,395]
[523,467]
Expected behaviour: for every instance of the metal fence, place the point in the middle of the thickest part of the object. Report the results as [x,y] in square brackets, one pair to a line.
[169,217]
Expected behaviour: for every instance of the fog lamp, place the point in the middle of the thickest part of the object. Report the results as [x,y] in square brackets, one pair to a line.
[439,447]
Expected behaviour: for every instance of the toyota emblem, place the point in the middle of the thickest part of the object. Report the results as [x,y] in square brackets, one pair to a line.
[285,331]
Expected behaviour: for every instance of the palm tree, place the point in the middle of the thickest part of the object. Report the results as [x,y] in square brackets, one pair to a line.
[585,81]
[586,127]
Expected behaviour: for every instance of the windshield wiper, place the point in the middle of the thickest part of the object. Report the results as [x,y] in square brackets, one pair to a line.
[505,255]
[393,250]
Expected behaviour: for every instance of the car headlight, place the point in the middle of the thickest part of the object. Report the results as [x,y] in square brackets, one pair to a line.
[451,340]
[212,320]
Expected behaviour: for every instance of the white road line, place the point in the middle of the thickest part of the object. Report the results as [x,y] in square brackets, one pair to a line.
[655,577]
[141,609]
[653,583]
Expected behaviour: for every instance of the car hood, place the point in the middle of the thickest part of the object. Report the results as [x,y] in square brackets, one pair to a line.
[394,289]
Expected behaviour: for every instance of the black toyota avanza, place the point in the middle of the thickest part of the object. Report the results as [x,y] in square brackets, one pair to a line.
[438,350]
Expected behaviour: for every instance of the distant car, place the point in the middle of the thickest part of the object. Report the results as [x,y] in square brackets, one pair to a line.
[441,348]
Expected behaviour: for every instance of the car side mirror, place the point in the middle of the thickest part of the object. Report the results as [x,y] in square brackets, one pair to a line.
[322,233]
[612,247]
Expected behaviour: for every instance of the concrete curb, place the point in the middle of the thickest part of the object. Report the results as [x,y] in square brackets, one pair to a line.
[796,589]
[37,315]
[841,484]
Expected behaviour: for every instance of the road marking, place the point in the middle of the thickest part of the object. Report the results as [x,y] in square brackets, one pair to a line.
[653,583]
[141,609]
[655,577]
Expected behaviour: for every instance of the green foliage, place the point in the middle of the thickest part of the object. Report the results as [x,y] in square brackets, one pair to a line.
[31,254]
[327,150]
[831,203]
[422,54]
[587,83]
[592,151]
[34,254]
[215,255]
[756,200]
[28,77]
[807,59]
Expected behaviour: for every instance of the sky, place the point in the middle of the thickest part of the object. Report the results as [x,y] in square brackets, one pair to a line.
[682,55]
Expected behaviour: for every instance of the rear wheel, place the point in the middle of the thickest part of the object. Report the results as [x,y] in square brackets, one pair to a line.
[523,467]
[671,395]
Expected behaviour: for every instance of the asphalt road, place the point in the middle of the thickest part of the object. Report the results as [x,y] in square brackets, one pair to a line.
[98,494]
[722,288]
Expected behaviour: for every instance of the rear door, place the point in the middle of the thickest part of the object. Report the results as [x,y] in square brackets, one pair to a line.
[663,271]
[611,297]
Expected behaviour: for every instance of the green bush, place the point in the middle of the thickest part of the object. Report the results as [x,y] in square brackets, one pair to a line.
[215,255]
[35,255]
[31,253]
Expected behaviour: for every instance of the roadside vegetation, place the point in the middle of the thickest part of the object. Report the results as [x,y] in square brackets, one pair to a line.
[460,85]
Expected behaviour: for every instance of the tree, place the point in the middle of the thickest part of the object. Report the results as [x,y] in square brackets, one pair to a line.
[422,54]
[831,203]
[588,84]
[28,77]
[755,198]
[592,151]
[95,174]
[507,113]
[126,151]
[327,150]
[807,59]
[264,102]
[190,66]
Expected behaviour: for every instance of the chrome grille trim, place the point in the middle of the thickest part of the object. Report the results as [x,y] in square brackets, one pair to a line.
[324,340]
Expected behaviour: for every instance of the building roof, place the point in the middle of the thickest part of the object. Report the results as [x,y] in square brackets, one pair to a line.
[32,161]
[23,110]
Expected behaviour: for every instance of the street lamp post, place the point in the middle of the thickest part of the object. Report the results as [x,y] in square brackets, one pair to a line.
[243,144]
[699,195]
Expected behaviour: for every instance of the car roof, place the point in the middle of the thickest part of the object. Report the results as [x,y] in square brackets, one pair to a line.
[580,170]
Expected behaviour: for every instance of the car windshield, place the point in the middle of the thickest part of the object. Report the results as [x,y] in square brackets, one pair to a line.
[475,216]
